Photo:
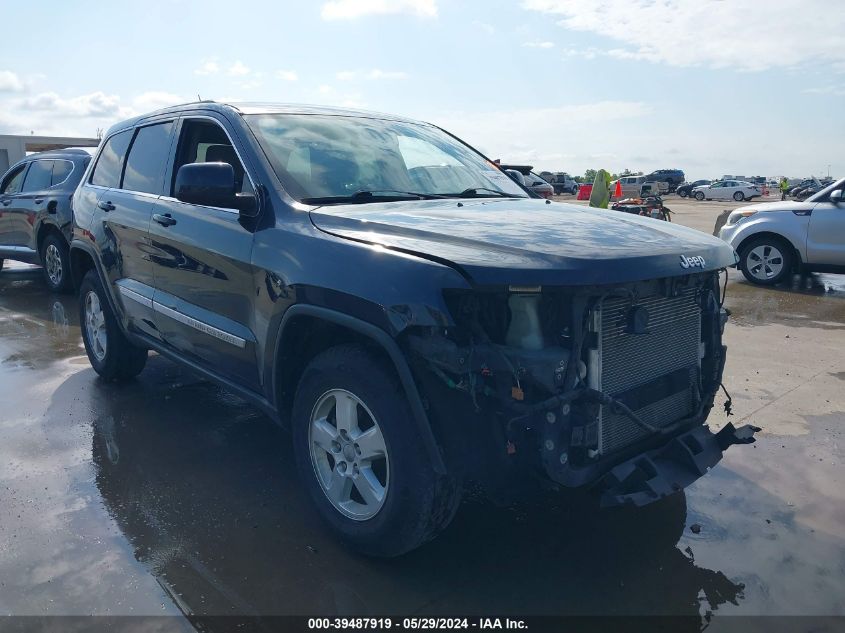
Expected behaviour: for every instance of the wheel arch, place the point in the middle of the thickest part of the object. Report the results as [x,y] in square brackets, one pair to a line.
[44,229]
[796,252]
[81,261]
[306,330]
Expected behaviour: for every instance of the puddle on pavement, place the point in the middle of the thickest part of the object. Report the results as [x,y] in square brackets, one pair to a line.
[36,326]
[812,300]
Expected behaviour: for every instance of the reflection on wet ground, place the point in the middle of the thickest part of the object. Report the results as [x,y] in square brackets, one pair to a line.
[169,495]
[809,299]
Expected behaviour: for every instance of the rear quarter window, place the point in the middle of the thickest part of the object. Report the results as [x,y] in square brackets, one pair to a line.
[61,170]
[110,162]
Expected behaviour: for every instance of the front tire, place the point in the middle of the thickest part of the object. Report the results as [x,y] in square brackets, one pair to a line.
[699,195]
[361,458]
[683,193]
[111,355]
[739,196]
[54,258]
[766,260]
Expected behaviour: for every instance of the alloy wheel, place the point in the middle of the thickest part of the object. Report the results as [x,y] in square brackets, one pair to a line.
[764,262]
[349,454]
[53,264]
[95,325]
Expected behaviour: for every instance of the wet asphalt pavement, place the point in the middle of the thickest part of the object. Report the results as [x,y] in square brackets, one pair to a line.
[169,495]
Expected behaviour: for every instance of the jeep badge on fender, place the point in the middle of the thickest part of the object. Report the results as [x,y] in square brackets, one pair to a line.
[696,261]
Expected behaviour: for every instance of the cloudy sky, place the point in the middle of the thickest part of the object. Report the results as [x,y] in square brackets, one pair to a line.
[714,87]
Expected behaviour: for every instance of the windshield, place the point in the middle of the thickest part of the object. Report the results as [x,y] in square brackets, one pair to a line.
[324,159]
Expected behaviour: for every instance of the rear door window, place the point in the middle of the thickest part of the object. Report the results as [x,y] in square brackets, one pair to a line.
[39,176]
[12,183]
[110,163]
[147,157]
[61,171]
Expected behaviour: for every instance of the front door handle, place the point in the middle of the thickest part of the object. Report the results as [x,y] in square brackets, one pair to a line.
[39,200]
[164,220]
[106,206]
[6,203]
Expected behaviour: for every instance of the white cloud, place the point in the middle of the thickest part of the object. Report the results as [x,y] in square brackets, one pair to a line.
[746,35]
[837,91]
[208,67]
[96,104]
[538,44]
[287,75]
[374,74]
[351,9]
[10,82]
[238,69]
[544,137]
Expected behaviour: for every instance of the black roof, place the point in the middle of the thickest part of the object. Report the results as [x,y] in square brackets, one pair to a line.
[67,154]
[239,108]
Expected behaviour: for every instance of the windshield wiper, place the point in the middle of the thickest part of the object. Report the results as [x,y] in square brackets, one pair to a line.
[367,193]
[373,195]
[473,191]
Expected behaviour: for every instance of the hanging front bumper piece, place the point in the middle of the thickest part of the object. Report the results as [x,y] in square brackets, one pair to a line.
[670,468]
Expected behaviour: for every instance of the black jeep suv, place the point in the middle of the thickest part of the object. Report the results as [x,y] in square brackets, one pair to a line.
[35,214]
[405,308]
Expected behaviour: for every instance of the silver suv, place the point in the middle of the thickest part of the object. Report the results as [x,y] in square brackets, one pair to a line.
[777,238]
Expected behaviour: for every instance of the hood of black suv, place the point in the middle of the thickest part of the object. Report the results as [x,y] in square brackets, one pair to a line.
[527,241]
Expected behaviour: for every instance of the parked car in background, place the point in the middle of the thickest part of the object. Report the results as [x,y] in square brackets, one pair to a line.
[416,320]
[672,176]
[35,212]
[805,192]
[685,189]
[538,185]
[775,239]
[632,186]
[792,189]
[546,175]
[726,190]
[522,175]
[564,183]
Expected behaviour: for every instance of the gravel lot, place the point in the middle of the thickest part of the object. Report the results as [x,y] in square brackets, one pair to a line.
[169,495]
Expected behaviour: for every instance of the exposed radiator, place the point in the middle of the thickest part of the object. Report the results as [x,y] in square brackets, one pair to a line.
[670,346]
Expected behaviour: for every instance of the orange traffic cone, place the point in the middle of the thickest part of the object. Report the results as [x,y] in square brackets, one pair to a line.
[617,193]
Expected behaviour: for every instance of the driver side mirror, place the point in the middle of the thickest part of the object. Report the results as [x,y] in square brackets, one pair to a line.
[836,197]
[213,185]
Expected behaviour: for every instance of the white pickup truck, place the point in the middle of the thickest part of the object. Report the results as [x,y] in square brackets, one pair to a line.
[632,186]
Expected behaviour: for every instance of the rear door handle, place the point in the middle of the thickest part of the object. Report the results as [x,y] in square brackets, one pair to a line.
[106,206]
[164,220]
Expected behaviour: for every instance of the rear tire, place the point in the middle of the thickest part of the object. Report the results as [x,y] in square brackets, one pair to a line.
[111,355]
[683,193]
[766,260]
[739,196]
[699,195]
[56,263]
[384,505]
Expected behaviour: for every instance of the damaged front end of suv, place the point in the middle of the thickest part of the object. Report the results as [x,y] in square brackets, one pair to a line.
[606,386]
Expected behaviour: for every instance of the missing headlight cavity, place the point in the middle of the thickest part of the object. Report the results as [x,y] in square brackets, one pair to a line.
[574,376]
